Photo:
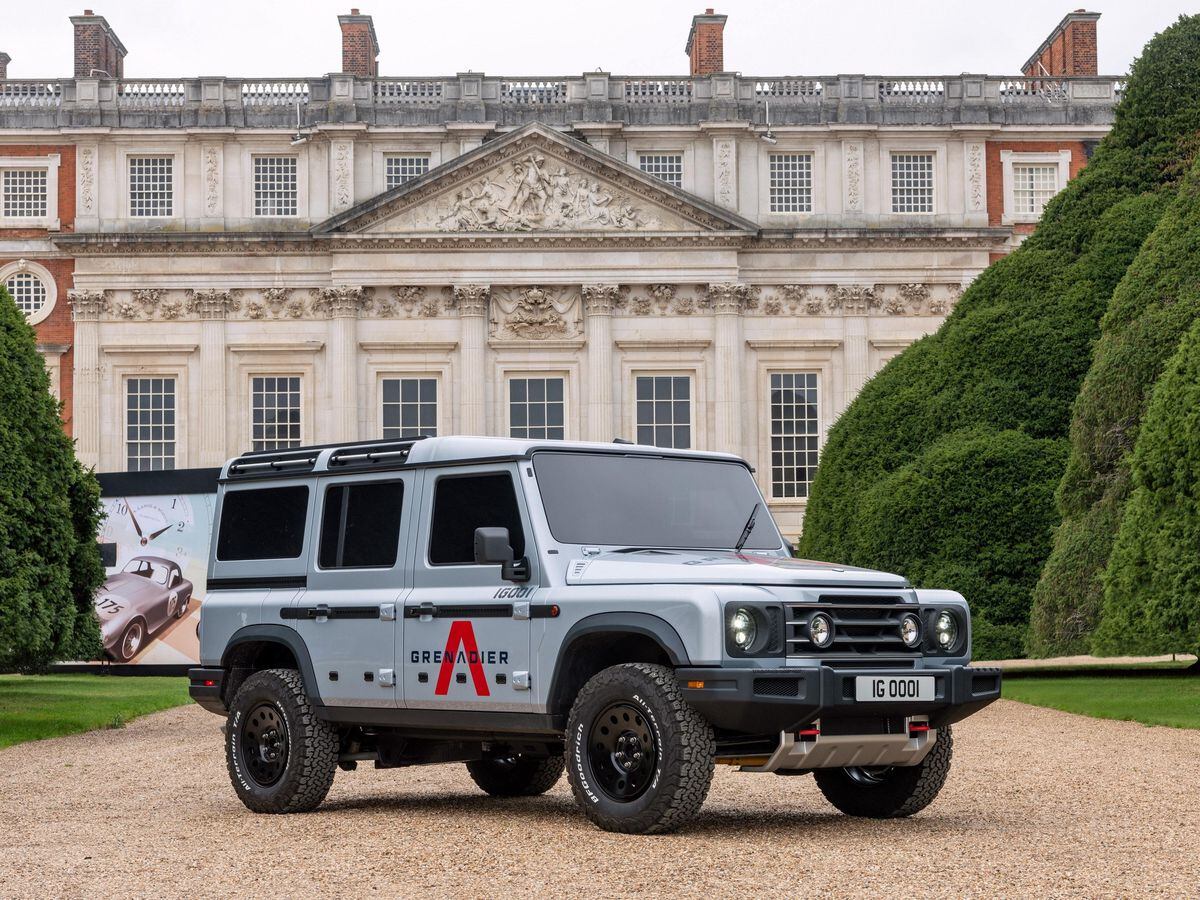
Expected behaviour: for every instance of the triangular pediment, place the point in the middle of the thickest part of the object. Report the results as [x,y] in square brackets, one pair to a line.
[534,180]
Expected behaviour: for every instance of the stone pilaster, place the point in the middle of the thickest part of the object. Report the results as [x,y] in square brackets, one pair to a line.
[472,303]
[86,308]
[727,301]
[341,175]
[212,306]
[725,171]
[598,303]
[343,306]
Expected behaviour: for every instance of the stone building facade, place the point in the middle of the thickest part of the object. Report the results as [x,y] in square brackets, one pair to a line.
[712,260]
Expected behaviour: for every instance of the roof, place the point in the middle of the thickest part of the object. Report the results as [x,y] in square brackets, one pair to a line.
[435,451]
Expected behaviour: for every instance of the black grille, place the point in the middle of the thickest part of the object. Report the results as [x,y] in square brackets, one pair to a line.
[863,625]
[776,687]
[848,725]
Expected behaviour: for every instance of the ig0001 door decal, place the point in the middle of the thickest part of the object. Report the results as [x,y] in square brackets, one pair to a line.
[149,604]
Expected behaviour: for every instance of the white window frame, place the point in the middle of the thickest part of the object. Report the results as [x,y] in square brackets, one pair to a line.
[170,360]
[404,154]
[380,153]
[50,163]
[439,403]
[693,406]
[33,268]
[302,177]
[1011,158]
[510,376]
[770,435]
[131,154]
[938,175]
[683,167]
[177,415]
[301,393]
[812,181]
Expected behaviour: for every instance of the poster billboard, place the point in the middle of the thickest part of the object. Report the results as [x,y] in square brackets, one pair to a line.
[155,534]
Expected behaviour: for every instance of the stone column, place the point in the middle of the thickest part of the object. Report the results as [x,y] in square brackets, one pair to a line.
[727,301]
[86,307]
[342,304]
[598,302]
[854,302]
[472,303]
[212,307]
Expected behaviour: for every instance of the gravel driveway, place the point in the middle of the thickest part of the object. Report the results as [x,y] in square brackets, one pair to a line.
[1039,803]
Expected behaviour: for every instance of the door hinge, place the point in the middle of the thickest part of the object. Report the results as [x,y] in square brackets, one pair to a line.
[387,677]
[520,681]
[387,612]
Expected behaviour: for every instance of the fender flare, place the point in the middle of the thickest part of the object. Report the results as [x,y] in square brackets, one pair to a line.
[659,630]
[287,637]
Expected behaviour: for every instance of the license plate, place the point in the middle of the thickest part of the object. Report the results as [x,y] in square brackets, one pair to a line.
[893,687]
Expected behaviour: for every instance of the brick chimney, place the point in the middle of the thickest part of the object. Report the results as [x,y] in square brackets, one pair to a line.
[1069,50]
[5,59]
[706,44]
[360,47]
[97,47]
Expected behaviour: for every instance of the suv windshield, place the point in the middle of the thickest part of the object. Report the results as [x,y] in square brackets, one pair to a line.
[640,501]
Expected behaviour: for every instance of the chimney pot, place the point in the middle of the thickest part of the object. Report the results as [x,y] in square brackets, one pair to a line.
[354,10]
[88,12]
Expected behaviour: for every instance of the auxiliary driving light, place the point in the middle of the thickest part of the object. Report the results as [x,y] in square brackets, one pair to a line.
[910,631]
[743,629]
[946,629]
[820,630]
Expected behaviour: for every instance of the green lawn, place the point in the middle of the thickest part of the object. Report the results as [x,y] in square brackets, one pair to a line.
[1151,700]
[33,707]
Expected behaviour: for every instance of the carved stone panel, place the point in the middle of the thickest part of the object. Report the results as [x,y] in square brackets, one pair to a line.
[535,313]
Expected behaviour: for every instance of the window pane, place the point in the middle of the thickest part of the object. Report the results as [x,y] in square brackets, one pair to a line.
[409,408]
[1033,186]
[666,167]
[264,523]
[401,169]
[663,410]
[275,186]
[794,437]
[151,189]
[912,182]
[462,504]
[360,527]
[25,193]
[536,409]
[27,291]
[150,423]
[275,400]
[791,182]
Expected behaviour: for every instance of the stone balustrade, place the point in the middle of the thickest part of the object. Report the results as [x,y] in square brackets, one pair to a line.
[594,97]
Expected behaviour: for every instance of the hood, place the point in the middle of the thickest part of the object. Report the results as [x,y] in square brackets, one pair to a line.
[721,567]
[127,586]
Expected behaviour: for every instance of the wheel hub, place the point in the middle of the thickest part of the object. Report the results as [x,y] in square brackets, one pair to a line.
[622,752]
[264,744]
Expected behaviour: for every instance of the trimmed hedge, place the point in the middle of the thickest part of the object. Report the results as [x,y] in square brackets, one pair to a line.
[49,513]
[1153,306]
[1152,585]
[1010,358]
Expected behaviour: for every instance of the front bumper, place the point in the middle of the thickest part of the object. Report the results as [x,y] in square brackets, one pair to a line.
[205,686]
[770,701]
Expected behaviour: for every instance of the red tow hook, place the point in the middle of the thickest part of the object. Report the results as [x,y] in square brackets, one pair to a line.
[809,734]
[917,728]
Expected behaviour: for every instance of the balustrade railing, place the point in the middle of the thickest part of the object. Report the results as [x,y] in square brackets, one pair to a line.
[24,94]
[275,93]
[658,90]
[533,91]
[142,94]
[408,91]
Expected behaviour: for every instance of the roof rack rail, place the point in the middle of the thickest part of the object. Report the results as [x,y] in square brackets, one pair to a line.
[279,463]
[361,456]
[317,448]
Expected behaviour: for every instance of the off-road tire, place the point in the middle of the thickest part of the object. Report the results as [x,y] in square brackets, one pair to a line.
[312,745]
[685,750]
[904,790]
[517,776]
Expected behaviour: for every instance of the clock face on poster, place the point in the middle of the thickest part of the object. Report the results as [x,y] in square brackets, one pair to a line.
[149,601]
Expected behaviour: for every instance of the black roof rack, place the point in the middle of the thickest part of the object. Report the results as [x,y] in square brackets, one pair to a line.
[279,463]
[300,460]
[368,455]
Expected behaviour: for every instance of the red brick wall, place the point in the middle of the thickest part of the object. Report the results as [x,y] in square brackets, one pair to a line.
[995,171]
[1071,51]
[94,49]
[57,328]
[706,44]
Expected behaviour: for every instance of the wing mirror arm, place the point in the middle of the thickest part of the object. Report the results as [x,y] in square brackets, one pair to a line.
[492,547]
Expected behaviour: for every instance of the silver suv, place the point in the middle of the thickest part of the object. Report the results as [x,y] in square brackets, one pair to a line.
[628,613]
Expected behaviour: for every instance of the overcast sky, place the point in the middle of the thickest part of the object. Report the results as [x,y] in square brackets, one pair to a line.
[555,37]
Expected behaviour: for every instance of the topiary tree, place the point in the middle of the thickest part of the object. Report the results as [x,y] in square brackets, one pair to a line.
[1153,306]
[49,512]
[1152,583]
[1013,354]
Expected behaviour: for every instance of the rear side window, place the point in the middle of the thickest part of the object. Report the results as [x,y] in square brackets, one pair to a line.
[361,525]
[265,523]
[462,504]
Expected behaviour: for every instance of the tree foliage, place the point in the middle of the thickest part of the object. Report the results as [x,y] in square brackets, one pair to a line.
[1151,309]
[49,513]
[1152,583]
[1008,362]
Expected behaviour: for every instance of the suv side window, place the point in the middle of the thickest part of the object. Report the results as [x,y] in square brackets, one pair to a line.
[360,527]
[463,503]
[263,523]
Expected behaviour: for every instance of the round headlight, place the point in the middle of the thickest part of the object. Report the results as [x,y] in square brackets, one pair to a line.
[946,629]
[820,630]
[910,631]
[743,629]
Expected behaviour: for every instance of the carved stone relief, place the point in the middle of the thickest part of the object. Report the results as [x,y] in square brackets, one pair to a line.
[725,171]
[852,152]
[86,306]
[212,181]
[340,302]
[343,175]
[535,313]
[470,299]
[853,299]
[87,181]
[211,303]
[975,177]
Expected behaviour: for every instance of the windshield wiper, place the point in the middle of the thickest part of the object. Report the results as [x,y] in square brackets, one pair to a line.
[741,541]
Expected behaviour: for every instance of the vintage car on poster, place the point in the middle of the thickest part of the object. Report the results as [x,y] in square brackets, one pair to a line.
[137,602]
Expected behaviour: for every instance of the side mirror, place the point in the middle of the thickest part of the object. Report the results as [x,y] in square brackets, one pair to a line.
[492,547]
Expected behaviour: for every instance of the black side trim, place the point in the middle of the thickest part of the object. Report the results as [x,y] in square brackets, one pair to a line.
[459,611]
[173,481]
[278,634]
[265,582]
[543,611]
[329,612]
[446,722]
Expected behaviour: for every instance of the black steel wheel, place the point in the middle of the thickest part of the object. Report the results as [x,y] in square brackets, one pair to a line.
[639,758]
[281,757]
[516,775]
[622,752]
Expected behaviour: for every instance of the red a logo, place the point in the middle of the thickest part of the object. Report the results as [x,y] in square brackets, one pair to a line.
[462,635]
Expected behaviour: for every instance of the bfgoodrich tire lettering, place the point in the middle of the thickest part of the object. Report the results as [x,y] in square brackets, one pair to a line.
[516,776]
[308,745]
[891,793]
[660,719]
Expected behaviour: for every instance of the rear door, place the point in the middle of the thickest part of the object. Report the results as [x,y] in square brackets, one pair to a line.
[466,640]
[356,586]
